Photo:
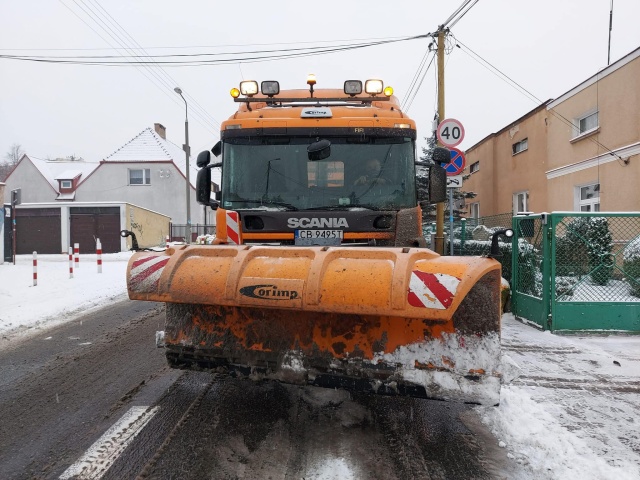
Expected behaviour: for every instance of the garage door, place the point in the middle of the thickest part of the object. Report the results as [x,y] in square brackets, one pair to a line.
[38,230]
[91,223]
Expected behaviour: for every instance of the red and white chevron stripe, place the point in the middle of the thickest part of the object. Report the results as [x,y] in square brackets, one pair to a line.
[432,290]
[145,273]
[233,228]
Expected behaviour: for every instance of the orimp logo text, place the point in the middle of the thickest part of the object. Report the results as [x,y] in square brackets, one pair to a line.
[269,292]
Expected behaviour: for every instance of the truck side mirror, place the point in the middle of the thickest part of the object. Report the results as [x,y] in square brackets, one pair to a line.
[437,184]
[203,188]
[217,149]
[204,159]
[441,155]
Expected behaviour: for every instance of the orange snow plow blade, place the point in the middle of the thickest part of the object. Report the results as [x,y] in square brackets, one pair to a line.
[390,320]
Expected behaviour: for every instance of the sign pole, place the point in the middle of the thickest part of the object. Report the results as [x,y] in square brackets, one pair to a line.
[13,226]
[451,221]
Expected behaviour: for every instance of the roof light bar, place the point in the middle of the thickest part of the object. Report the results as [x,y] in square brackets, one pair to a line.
[249,88]
[373,87]
[270,88]
[353,87]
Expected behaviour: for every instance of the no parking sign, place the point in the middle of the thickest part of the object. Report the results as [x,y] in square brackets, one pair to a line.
[457,164]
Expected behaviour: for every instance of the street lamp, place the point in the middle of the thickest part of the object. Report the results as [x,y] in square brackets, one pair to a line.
[186,149]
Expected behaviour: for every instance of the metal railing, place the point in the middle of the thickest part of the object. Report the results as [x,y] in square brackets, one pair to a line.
[578,271]
[179,232]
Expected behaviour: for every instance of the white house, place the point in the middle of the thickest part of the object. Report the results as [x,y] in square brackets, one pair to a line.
[148,171]
[47,180]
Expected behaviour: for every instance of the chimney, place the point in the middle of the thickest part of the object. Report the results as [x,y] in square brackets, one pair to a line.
[160,130]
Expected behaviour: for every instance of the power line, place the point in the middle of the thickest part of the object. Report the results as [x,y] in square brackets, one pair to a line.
[174,47]
[150,74]
[532,97]
[424,74]
[463,14]
[196,107]
[288,53]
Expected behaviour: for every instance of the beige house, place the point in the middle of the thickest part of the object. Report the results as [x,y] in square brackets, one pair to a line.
[508,168]
[578,152]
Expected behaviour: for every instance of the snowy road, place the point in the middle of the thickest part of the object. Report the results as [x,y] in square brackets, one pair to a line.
[574,411]
[571,414]
[71,396]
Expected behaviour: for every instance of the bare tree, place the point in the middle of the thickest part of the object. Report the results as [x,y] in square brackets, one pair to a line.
[11,159]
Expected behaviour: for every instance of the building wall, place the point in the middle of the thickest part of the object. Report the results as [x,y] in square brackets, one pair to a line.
[34,187]
[502,174]
[579,160]
[165,194]
[3,224]
[482,182]
[558,161]
[151,228]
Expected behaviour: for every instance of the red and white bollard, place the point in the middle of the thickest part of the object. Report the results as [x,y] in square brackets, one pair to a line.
[70,262]
[35,268]
[76,253]
[99,255]
[167,242]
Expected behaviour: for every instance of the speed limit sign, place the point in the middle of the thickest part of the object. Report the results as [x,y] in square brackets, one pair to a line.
[450,132]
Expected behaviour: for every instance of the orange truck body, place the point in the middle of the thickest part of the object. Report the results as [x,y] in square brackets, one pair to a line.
[377,311]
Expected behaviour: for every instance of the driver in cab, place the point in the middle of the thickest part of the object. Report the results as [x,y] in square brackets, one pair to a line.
[372,175]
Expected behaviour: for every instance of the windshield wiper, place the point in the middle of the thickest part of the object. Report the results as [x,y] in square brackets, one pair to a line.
[344,207]
[266,203]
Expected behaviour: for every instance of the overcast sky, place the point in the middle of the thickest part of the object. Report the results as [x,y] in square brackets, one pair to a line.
[56,110]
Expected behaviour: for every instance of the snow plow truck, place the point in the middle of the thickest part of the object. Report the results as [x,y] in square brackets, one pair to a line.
[319,272]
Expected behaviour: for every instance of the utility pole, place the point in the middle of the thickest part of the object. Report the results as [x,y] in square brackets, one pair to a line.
[439,239]
[187,153]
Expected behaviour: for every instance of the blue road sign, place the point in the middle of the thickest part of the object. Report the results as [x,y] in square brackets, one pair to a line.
[457,164]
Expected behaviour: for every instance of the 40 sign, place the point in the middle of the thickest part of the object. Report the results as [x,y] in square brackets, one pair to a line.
[457,164]
[450,132]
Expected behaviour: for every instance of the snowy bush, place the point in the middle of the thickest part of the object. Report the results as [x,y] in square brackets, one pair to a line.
[565,286]
[205,239]
[586,237]
[631,266]
[482,247]
[529,268]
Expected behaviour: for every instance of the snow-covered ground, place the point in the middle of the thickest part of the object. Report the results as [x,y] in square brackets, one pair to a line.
[57,298]
[572,413]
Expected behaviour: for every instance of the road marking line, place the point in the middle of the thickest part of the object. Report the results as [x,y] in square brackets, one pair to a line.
[104,452]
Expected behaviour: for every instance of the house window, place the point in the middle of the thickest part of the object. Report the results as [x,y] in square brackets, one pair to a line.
[520,146]
[140,176]
[520,202]
[587,123]
[65,184]
[475,210]
[589,198]
[474,167]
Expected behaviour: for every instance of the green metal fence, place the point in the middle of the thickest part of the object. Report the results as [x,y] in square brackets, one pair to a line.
[577,271]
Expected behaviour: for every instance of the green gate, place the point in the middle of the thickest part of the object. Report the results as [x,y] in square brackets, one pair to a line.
[577,271]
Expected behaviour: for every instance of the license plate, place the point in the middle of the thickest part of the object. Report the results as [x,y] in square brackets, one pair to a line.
[318,237]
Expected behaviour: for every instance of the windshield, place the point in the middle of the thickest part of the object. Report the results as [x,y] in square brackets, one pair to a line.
[274,173]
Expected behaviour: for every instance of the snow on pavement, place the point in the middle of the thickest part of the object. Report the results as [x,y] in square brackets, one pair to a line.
[57,298]
[573,413]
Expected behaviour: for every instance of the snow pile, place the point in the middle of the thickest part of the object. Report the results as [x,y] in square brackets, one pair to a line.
[573,412]
[57,298]
[446,362]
